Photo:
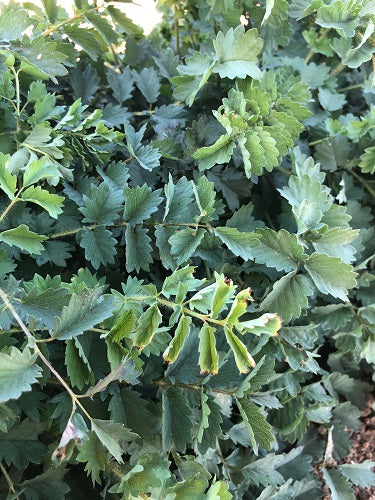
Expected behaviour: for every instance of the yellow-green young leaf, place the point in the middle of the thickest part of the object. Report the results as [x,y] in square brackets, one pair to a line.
[23,238]
[147,325]
[218,153]
[239,307]
[8,182]
[112,435]
[224,290]
[367,163]
[237,53]
[208,357]
[50,202]
[243,358]
[268,324]
[18,372]
[219,491]
[123,327]
[177,343]
[256,424]
[38,170]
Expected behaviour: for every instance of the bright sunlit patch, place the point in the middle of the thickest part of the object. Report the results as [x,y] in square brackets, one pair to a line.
[243,20]
[143,13]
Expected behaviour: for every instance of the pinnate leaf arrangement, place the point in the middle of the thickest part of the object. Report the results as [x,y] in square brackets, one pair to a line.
[187,299]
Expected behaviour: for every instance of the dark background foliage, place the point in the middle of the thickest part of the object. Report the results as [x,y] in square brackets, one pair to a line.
[186,249]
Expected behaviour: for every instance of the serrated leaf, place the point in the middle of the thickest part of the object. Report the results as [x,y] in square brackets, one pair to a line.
[267,324]
[140,203]
[289,296]
[13,23]
[177,343]
[23,238]
[239,243]
[94,455]
[219,491]
[336,241]
[122,84]
[20,446]
[194,75]
[86,39]
[50,202]
[38,170]
[185,275]
[77,365]
[85,310]
[257,426]
[49,484]
[147,156]
[331,275]
[243,358]
[208,356]
[280,250]
[339,15]
[8,182]
[113,436]
[218,153]
[176,419]
[338,485]
[237,53]
[101,205]
[101,24]
[99,246]
[42,59]
[147,326]
[123,20]
[360,474]
[209,426]
[367,163]
[138,248]
[184,243]
[148,83]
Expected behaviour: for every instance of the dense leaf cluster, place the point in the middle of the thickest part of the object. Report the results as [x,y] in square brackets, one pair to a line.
[186,249]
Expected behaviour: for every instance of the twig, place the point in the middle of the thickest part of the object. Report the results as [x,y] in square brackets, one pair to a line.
[7,478]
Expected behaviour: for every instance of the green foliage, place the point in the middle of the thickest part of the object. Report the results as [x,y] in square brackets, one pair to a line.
[186,249]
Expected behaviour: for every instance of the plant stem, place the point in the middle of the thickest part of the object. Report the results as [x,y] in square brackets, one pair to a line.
[225,466]
[202,317]
[338,68]
[283,171]
[176,30]
[33,343]
[362,181]
[8,208]
[192,387]
[7,478]
[68,21]
[318,141]
[18,96]
[124,224]
[351,87]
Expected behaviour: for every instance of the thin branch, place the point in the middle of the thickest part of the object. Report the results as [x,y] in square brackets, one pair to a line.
[7,478]
[362,181]
[68,21]
[33,343]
